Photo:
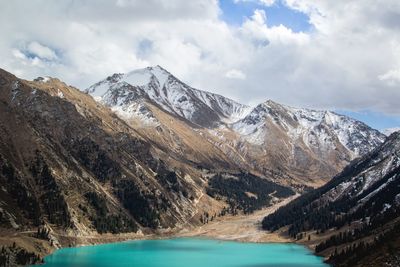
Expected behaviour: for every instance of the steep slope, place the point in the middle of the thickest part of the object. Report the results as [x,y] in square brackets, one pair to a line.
[71,170]
[306,143]
[150,154]
[314,128]
[121,92]
[52,131]
[173,116]
[355,213]
[69,165]
[296,147]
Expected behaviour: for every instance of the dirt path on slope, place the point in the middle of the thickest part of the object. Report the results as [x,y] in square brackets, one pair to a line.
[245,228]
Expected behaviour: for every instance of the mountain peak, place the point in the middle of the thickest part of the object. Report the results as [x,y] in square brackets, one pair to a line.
[158,68]
[157,85]
[142,77]
[316,128]
[270,102]
[44,79]
[155,70]
[152,69]
[275,105]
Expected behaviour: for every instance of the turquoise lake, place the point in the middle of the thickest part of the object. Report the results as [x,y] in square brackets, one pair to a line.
[185,252]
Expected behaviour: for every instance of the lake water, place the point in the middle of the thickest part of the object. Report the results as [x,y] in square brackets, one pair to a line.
[185,252]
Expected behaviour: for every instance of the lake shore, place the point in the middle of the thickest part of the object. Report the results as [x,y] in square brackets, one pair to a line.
[181,252]
[241,228]
[244,228]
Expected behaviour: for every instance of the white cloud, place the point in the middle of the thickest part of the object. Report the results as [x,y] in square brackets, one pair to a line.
[18,54]
[41,51]
[268,2]
[348,60]
[261,2]
[392,77]
[256,28]
[235,74]
[259,17]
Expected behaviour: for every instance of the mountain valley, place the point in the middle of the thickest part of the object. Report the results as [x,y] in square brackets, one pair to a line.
[143,154]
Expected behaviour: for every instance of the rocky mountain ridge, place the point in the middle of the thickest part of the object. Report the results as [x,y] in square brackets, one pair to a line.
[149,155]
[158,85]
[315,128]
[356,213]
[299,143]
[72,171]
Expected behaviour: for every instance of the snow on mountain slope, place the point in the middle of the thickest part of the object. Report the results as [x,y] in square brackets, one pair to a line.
[307,145]
[322,129]
[376,171]
[389,131]
[361,204]
[156,84]
[367,187]
[137,110]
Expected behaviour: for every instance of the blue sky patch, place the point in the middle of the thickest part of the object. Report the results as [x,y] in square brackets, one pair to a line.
[277,14]
[144,48]
[374,119]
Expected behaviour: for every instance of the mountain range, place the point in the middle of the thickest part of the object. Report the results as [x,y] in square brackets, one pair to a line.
[354,218]
[143,153]
[290,145]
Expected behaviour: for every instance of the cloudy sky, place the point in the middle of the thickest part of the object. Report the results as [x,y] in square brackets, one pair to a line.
[342,55]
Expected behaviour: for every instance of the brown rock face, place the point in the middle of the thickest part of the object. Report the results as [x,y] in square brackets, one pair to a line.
[67,161]
[291,146]
[150,157]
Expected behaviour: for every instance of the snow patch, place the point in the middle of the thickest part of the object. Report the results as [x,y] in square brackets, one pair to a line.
[165,90]
[364,199]
[386,206]
[98,91]
[137,78]
[60,94]
[139,111]
[389,131]
[317,129]
[14,90]
[160,74]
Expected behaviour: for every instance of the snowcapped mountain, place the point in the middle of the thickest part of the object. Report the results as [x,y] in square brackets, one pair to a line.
[155,84]
[85,170]
[127,94]
[359,206]
[316,129]
[375,174]
[369,184]
[300,143]
[389,131]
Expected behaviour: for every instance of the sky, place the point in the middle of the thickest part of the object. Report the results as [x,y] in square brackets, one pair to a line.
[341,55]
